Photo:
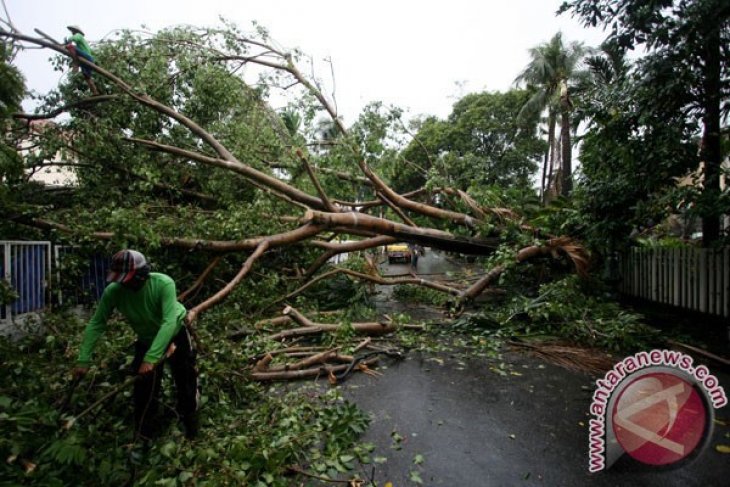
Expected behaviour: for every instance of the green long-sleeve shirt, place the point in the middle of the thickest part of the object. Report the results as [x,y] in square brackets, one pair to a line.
[153,312]
[81,43]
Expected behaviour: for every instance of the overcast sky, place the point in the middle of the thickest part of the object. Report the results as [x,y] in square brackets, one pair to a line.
[419,55]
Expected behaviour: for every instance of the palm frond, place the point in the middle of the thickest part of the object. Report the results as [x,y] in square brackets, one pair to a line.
[576,252]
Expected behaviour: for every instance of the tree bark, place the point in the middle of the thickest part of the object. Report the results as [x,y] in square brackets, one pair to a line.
[574,252]
[548,160]
[711,150]
[424,236]
[324,370]
[311,328]
[567,152]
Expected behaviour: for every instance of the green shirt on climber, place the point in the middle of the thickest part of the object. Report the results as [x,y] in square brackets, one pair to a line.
[81,43]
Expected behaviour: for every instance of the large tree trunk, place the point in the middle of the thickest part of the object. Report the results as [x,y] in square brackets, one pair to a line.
[425,236]
[711,150]
[551,140]
[567,152]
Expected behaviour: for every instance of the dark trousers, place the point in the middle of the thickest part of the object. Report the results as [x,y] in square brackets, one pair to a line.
[147,387]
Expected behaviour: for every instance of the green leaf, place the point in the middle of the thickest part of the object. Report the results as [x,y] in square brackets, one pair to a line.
[168,449]
[5,402]
[185,476]
[415,477]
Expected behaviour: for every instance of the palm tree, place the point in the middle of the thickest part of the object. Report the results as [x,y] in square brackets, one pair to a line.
[551,72]
[292,121]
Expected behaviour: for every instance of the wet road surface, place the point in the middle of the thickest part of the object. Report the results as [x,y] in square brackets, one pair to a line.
[475,427]
[461,420]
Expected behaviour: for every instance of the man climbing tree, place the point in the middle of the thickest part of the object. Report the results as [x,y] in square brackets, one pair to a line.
[78,47]
[149,303]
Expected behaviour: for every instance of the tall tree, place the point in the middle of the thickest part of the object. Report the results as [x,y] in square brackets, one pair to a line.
[630,157]
[482,143]
[688,53]
[553,68]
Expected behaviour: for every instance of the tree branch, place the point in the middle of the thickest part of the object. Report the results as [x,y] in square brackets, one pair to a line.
[397,210]
[220,295]
[277,186]
[425,236]
[286,238]
[92,100]
[573,251]
[311,328]
[201,278]
[315,181]
[126,88]
[341,248]
[383,281]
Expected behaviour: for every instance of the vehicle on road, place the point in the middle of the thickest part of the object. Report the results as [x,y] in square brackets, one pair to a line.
[398,253]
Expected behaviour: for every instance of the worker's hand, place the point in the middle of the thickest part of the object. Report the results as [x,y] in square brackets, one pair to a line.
[145,368]
[78,372]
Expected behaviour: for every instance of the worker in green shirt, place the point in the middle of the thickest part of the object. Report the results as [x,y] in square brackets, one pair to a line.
[78,47]
[148,301]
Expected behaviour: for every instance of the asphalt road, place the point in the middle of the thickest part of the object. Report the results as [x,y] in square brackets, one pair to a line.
[459,420]
[430,264]
[473,426]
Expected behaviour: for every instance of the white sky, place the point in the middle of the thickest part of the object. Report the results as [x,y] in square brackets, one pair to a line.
[419,55]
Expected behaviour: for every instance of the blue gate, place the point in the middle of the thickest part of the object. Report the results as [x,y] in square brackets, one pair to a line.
[26,267]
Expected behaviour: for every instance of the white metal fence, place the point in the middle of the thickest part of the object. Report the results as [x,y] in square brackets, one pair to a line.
[690,278]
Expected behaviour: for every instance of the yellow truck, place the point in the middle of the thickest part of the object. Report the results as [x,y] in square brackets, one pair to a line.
[399,252]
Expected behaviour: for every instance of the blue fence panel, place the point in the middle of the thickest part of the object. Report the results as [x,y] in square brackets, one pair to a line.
[94,279]
[89,285]
[29,266]
[26,267]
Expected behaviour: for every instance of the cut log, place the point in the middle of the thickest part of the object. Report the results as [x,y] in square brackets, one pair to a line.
[323,371]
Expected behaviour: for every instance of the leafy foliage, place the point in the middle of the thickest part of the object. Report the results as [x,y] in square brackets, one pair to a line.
[681,82]
[419,294]
[570,310]
[12,90]
[250,434]
[482,143]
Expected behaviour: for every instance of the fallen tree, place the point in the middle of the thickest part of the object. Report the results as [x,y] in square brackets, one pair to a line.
[156,128]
